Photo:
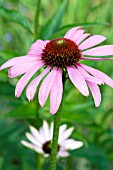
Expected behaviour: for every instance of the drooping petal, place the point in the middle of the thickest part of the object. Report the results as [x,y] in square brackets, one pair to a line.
[21,68]
[65,135]
[31,89]
[46,87]
[71,144]
[24,79]
[17,60]
[92,41]
[102,76]
[78,80]
[56,92]
[95,59]
[87,76]
[37,135]
[100,51]
[94,80]
[37,48]
[82,38]
[95,93]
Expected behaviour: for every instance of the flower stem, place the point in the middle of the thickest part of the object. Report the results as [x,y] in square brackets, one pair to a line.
[57,118]
[38,162]
[36,26]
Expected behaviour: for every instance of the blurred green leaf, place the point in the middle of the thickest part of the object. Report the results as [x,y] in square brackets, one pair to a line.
[94,154]
[54,23]
[15,16]
[1,162]
[25,111]
[61,31]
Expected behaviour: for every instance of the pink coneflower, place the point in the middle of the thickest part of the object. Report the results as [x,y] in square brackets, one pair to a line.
[56,56]
[40,140]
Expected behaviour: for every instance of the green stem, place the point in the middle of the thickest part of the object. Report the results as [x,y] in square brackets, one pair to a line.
[36,26]
[38,162]
[57,118]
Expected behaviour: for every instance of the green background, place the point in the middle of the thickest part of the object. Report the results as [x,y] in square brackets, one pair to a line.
[19,27]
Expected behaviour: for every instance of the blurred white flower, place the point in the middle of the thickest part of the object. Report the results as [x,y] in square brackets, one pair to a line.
[40,140]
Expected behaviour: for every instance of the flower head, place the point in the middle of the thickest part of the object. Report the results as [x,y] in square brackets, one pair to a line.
[40,140]
[56,56]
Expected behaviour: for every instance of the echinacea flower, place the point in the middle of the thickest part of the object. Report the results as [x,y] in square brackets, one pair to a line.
[40,140]
[56,56]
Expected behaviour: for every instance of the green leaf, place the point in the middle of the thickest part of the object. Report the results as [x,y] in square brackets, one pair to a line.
[54,23]
[15,16]
[1,162]
[94,154]
[23,111]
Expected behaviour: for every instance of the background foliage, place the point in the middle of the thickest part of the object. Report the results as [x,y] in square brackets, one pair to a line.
[18,30]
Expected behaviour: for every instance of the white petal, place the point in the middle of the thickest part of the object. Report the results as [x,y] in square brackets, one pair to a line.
[66,134]
[37,135]
[33,139]
[71,144]
[51,131]
[63,154]
[46,130]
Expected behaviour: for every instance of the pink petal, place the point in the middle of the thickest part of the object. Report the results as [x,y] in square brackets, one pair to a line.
[56,92]
[31,89]
[94,80]
[96,59]
[20,68]
[95,93]
[100,51]
[24,80]
[82,38]
[78,80]
[69,34]
[98,74]
[87,76]
[92,41]
[37,48]
[74,34]
[46,87]
[17,60]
